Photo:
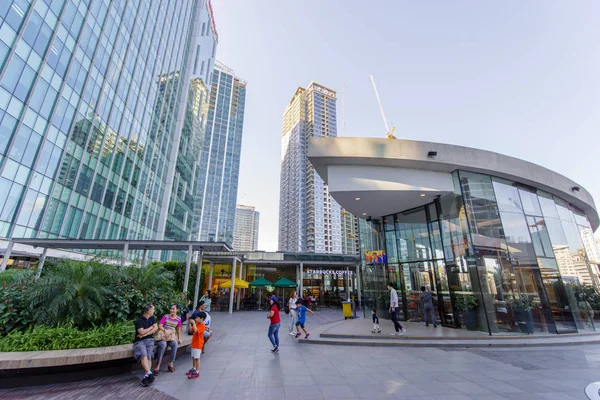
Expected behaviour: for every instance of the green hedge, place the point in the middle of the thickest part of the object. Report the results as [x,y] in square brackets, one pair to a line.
[45,338]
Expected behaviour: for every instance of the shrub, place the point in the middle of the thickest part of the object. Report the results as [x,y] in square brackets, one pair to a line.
[15,301]
[68,337]
[74,292]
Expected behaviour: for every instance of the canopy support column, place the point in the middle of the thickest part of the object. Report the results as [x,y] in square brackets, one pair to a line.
[188,265]
[198,273]
[232,288]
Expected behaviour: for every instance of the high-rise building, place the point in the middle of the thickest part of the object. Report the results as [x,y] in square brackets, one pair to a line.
[309,219]
[245,236]
[220,160]
[93,100]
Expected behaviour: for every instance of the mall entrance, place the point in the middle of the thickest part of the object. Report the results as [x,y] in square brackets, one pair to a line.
[410,278]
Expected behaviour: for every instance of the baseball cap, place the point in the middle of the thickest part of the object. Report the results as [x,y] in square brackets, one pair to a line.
[274,298]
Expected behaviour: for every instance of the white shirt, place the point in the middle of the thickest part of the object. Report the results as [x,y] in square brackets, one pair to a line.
[207,320]
[393,298]
[292,303]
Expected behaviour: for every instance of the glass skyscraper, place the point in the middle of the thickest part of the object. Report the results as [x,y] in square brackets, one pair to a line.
[96,106]
[220,159]
[310,220]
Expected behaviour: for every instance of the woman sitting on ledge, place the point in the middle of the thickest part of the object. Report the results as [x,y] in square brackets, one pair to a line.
[169,333]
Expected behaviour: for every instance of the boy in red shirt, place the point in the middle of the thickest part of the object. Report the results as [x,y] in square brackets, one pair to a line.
[197,326]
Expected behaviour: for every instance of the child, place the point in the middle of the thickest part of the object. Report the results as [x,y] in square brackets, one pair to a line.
[301,311]
[197,326]
[376,328]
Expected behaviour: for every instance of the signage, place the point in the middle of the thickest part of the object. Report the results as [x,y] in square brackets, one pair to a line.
[324,91]
[328,272]
[375,257]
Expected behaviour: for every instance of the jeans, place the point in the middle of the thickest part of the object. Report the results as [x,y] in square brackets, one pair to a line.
[429,316]
[394,315]
[293,317]
[162,346]
[274,334]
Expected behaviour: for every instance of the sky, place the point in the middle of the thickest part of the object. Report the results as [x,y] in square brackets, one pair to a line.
[520,78]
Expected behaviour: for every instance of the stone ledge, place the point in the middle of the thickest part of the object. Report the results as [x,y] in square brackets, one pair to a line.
[58,358]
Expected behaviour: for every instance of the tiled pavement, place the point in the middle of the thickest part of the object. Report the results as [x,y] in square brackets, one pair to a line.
[239,365]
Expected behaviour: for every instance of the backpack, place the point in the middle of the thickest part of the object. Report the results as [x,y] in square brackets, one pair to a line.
[286,308]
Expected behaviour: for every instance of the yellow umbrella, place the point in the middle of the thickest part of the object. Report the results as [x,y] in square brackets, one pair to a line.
[239,283]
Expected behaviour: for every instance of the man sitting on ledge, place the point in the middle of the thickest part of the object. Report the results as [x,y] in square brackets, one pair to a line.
[143,343]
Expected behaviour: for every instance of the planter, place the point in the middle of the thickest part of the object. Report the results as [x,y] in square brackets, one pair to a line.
[525,321]
[469,318]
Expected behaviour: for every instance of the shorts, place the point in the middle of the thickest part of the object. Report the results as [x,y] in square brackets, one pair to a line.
[300,324]
[143,348]
[207,334]
[196,353]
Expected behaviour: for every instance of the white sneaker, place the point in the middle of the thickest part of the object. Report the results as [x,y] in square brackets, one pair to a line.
[292,334]
[402,333]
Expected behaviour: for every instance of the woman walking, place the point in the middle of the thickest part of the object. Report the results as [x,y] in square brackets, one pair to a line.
[293,315]
[169,333]
[275,323]
[206,299]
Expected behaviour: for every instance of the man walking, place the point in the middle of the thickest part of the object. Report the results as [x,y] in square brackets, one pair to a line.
[143,343]
[394,310]
[427,300]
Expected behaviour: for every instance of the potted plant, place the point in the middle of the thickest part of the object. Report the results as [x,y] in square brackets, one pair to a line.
[467,304]
[523,305]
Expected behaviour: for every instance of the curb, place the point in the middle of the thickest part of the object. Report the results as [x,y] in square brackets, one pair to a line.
[445,344]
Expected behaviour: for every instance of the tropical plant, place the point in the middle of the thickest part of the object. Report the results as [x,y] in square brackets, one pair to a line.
[155,276]
[68,337]
[465,302]
[523,302]
[15,300]
[74,292]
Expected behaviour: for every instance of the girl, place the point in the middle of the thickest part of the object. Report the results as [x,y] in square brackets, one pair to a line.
[275,323]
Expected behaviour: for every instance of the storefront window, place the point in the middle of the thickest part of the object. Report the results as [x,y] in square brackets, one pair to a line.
[413,236]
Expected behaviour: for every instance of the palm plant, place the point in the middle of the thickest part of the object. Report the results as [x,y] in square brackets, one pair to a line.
[74,293]
[154,276]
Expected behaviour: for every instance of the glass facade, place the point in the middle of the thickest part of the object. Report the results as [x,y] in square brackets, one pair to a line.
[499,257]
[91,92]
[220,158]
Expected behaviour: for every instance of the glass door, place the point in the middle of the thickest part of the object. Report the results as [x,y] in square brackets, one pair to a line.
[416,276]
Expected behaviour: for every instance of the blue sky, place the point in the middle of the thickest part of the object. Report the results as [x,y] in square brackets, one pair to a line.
[520,78]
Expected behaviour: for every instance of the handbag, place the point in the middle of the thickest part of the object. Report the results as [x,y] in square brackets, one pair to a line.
[166,335]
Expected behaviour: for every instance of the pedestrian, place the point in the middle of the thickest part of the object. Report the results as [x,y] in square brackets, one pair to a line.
[273,315]
[169,333]
[206,299]
[301,310]
[394,310]
[376,328]
[207,330]
[428,312]
[197,325]
[293,314]
[143,342]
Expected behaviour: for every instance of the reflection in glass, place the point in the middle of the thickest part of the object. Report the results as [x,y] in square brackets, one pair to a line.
[548,206]
[531,206]
[517,238]
[557,296]
[507,196]
[412,235]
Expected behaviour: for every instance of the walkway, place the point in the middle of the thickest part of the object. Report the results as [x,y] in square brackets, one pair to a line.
[239,365]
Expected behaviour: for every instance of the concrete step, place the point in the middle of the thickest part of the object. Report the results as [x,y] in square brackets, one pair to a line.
[401,341]
[387,336]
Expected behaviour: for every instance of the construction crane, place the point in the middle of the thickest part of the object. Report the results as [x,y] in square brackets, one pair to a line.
[390,133]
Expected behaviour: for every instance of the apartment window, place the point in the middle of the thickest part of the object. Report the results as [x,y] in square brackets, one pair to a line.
[196,60]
